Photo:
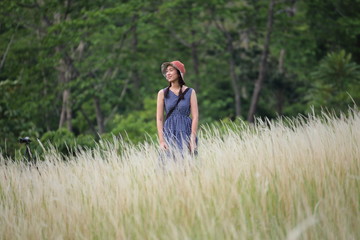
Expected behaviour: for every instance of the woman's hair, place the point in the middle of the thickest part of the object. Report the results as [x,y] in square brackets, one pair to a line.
[181,82]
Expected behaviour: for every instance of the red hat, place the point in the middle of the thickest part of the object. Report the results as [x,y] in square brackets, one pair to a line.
[176,64]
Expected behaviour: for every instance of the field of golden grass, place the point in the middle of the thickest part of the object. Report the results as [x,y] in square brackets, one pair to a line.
[284,179]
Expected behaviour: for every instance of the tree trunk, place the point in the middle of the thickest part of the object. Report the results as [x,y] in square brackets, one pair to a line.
[263,63]
[66,115]
[88,121]
[280,92]
[134,46]
[234,78]
[64,77]
[63,111]
[68,110]
[65,71]
[45,96]
[99,115]
[196,63]
[195,59]
[6,51]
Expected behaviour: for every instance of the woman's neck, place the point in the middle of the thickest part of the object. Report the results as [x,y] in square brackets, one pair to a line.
[175,85]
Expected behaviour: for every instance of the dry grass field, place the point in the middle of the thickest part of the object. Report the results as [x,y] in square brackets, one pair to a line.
[285,179]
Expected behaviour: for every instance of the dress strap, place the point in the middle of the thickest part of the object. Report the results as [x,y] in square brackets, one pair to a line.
[179,99]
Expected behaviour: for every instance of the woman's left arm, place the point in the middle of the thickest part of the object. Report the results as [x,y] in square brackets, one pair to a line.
[195,120]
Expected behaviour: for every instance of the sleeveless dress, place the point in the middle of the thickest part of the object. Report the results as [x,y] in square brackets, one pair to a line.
[177,128]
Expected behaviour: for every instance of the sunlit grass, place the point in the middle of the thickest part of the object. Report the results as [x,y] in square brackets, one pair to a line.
[287,179]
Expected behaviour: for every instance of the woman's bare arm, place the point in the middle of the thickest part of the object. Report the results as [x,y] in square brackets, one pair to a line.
[160,118]
[195,119]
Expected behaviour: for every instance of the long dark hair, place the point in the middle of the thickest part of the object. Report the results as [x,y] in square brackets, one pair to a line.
[181,82]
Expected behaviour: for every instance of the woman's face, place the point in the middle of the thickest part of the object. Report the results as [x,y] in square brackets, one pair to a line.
[171,74]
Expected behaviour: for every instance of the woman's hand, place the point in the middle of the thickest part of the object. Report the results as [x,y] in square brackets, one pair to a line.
[192,144]
[163,146]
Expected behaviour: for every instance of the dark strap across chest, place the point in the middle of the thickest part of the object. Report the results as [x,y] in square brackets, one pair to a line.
[177,102]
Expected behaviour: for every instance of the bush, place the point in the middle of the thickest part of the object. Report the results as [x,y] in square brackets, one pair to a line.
[65,141]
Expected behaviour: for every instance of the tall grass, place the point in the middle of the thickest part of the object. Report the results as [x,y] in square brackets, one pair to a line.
[288,179]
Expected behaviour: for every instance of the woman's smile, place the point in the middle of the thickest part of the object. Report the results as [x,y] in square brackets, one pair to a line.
[171,74]
[169,77]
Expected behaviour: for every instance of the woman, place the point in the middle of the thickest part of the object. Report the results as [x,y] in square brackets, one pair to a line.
[178,132]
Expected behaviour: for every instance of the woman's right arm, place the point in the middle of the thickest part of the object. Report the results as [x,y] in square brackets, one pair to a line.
[160,119]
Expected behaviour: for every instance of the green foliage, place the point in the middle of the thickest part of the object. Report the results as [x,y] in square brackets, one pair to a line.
[335,25]
[65,142]
[113,50]
[62,139]
[338,70]
[13,122]
[336,82]
[224,127]
[136,126]
[85,141]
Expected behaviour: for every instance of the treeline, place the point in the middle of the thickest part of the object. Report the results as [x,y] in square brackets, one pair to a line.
[85,70]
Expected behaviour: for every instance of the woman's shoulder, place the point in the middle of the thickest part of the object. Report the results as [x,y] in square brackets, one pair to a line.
[189,89]
[161,92]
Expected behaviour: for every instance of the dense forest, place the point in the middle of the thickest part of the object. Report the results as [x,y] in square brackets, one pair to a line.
[74,72]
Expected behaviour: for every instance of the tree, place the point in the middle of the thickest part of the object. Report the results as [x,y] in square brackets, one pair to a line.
[336,82]
[236,22]
[188,26]
[263,63]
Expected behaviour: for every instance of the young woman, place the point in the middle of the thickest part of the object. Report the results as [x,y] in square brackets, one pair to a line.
[177,131]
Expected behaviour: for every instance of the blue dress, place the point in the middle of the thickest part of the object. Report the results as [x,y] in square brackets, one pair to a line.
[177,128]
